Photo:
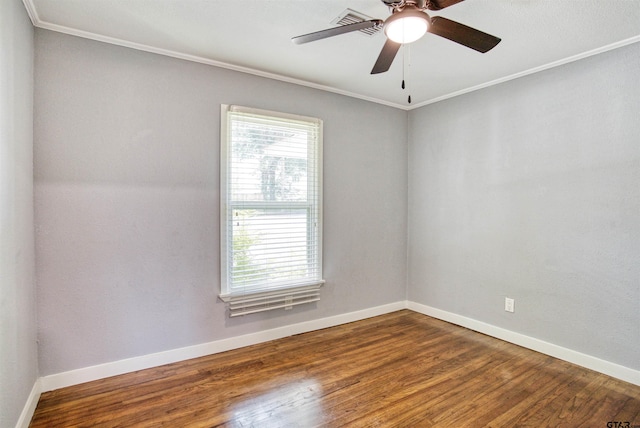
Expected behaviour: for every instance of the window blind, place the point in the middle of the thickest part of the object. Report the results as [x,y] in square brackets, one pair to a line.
[271,191]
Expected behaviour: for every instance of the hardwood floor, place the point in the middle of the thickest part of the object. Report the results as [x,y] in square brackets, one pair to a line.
[397,370]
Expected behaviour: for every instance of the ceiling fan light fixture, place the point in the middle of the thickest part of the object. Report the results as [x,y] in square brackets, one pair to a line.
[407,25]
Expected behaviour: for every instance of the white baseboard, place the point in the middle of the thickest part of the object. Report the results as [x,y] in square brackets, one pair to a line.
[611,369]
[30,406]
[87,374]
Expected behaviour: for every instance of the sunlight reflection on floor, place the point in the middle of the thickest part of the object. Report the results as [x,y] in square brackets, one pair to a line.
[296,404]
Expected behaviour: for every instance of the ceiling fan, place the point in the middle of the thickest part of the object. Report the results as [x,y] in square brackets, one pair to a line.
[409,22]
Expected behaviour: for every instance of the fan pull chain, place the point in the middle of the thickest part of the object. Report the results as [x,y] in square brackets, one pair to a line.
[406,63]
[403,69]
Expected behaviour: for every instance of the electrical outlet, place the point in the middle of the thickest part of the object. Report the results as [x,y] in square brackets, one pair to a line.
[288,302]
[509,304]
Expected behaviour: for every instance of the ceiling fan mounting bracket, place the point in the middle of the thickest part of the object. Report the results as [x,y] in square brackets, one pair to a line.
[399,5]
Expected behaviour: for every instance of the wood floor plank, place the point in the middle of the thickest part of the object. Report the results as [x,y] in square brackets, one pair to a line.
[397,370]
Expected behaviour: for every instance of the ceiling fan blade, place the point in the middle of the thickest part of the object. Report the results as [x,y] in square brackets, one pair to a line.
[441,4]
[460,33]
[330,32]
[388,53]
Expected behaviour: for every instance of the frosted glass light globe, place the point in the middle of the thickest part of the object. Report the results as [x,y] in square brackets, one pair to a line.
[406,26]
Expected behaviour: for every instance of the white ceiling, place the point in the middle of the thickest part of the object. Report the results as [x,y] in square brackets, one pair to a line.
[254,36]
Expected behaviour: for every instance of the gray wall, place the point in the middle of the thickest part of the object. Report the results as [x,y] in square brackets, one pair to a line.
[18,353]
[126,191]
[530,189]
[527,189]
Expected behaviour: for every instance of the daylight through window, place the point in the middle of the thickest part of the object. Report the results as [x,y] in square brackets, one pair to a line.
[271,203]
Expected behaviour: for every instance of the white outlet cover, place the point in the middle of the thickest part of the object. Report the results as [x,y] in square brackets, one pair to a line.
[509,304]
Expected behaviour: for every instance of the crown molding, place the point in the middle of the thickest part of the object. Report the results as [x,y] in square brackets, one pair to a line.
[37,22]
[32,12]
[533,70]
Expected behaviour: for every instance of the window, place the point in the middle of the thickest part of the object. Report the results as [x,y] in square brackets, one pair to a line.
[271,211]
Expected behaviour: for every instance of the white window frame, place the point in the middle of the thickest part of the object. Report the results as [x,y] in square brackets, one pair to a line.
[260,297]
